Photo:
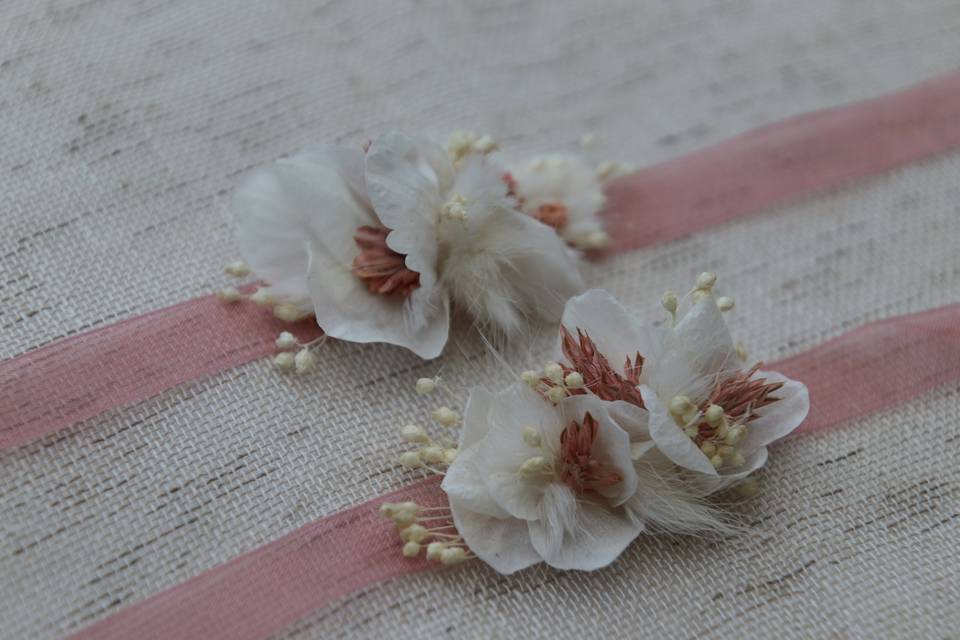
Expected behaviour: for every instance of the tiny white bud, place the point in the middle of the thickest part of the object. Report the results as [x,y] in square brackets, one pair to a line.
[716,461]
[289,313]
[556,394]
[706,280]
[228,294]
[708,449]
[531,437]
[304,361]
[596,239]
[286,340]
[446,416]
[453,555]
[533,466]
[413,533]
[737,459]
[485,145]
[426,385]
[669,301]
[449,455]
[263,297]
[237,269]
[410,459]
[741,351]
[388,509]
[411,550]
[532,378]
[431,455]
[725,303]
[435,550]
[414,434]
[573,380]
[714,415]
[554,372]
[725,450]
[284,361]
[680,405]
[735,434]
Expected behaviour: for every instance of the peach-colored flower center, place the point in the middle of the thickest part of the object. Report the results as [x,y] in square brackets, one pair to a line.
[380,267]
[740,397]
[599,378]
[552,214]
[578,469]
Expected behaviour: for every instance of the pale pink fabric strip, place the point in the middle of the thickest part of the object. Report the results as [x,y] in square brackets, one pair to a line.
[260,593]
[80,377]
[271,587]
[781,162]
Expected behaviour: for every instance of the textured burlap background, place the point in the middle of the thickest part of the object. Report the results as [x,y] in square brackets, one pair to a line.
[125,126]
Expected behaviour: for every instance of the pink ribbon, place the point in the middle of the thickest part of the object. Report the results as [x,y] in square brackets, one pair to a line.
[262,592]
[781,162]
[80,377]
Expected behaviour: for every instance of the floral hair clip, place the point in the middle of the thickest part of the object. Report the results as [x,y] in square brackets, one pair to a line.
[376,242]
[631,427]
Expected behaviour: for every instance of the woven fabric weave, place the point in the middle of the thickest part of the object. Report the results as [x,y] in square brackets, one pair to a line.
[127,125]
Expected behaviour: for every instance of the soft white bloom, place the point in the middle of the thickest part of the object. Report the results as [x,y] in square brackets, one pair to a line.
[376,244]
[570,484]
[680,373]
[562,191]
[517,504]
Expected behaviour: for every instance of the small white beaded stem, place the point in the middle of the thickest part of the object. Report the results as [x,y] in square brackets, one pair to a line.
[427,529]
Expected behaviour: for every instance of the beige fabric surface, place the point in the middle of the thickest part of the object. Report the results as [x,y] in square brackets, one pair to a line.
[127,124]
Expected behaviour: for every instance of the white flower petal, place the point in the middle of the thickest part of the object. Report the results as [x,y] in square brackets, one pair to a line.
[778,419]
[502,451]
[503,543]
[595,540]
[617,334]
[670,439]
[476,417]
[312,201]
[631,418]
[702,334]
[407,181]
[345,309]
[464,483]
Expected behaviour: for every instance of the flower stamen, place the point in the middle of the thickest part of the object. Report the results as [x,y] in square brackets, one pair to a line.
[383,269]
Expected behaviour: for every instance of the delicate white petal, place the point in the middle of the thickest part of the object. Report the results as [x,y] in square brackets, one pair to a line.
[631,418]
[617,334]
[404,178]
[670,439]
[502,451]
[612,446]
[503,543]
[702,334]
[345,309]
[464,483]
[311,202]
[599,535]
[476,417]
[778,419]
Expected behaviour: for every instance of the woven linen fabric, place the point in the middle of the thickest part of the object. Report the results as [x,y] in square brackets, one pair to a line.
[127,125]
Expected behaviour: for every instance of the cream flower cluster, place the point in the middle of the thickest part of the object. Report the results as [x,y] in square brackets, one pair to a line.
[378,242]
[631,427]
